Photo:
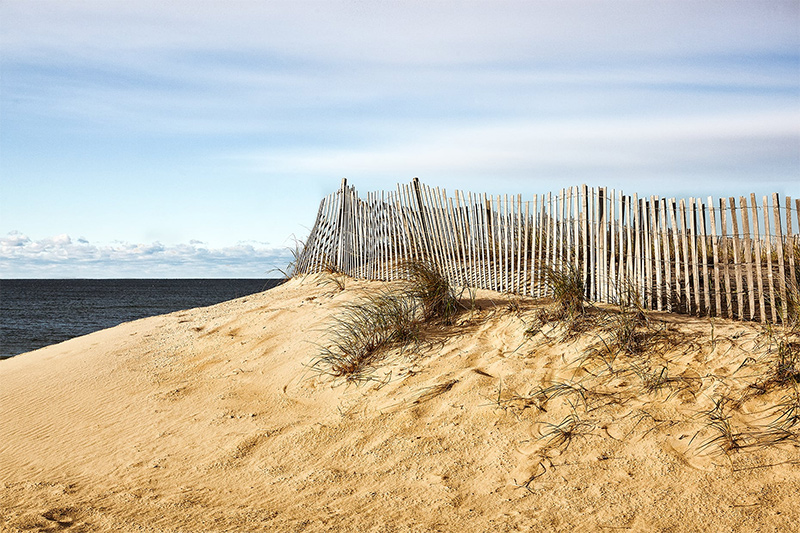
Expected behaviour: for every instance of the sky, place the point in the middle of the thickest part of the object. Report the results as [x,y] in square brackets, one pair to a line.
[148,139]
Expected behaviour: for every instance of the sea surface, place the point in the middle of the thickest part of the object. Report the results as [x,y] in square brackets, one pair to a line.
[37,312]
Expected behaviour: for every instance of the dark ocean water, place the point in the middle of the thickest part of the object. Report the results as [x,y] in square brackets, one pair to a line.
[37,313]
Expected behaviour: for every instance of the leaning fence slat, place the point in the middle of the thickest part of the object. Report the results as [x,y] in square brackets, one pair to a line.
[541,239]
[624,275]
[460,222]
[447,234]
[593,234]
[602,244]
[521,243]
[491,277]
[715,248]
[737,260]
[762,296]
[676,251]
[648,252]
[704,259]
[506,226]
[776,209]
[655,247]
[576,242]
[469,229]
[685,246]
[666,255]
[433,228]
[726,271]
[693,249]
[526,240]
[584,221]
[747,252]
[768,250]
[790,245]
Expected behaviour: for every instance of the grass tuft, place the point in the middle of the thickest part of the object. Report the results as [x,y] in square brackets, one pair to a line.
[426,283]
[363,332]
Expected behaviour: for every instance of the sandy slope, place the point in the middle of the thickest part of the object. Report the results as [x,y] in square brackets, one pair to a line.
[209,420]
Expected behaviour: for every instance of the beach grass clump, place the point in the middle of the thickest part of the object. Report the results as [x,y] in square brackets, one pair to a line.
[363,332]
[568,291]
[427,284]
[570,309]
[560,435]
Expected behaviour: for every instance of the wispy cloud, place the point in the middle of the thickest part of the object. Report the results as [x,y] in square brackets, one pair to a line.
[61,256]
[229,120]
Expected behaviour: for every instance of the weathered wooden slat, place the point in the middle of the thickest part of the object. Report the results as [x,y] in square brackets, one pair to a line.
[676,253]
[593,234]
[648,254]
[607,217]
[790,245]
[432,225]
[667,263]
[539,242]
[768,251]
[491,253]
[687,286]
[576,228]
[737,259]
[520,239]
[585,245]
[725,255]
[561,222]
[654,249]
[762,295]
[693,248]
[747,253]
[715,247]
[505,226]
[776,210]
[706,309]
[483,215]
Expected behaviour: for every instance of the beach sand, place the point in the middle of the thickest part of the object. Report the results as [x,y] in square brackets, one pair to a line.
[211,420]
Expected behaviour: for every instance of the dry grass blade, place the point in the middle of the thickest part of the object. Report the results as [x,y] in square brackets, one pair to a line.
[563,433]
[436,390]
[788,411]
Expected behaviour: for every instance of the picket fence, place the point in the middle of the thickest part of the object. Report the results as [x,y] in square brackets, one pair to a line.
[725,258]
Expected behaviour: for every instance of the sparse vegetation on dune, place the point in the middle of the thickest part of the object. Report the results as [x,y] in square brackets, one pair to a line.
[627,363]
[396,317]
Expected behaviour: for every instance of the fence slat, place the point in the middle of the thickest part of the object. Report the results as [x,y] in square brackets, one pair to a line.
[693,247]
[768,250]
[747,252]
[776,209]
[737,265]
[790,246]
[685,246]
[704,259]
[762,296]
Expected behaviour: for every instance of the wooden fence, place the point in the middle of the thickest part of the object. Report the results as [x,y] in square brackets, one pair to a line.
[723,257]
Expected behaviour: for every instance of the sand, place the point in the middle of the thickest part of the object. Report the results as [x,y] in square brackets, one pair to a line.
[211,420]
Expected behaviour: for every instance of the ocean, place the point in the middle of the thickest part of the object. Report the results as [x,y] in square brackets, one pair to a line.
[40,312]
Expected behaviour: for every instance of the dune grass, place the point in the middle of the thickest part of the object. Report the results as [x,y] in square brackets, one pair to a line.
[365,331]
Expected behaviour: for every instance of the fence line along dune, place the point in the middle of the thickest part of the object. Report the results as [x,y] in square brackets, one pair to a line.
[725,257]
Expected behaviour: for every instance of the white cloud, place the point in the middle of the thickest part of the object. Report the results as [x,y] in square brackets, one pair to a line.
[61,257]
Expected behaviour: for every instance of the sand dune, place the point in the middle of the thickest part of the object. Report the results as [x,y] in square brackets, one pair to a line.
[211,420]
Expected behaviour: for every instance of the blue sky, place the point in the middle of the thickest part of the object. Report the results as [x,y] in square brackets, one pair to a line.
[193,139]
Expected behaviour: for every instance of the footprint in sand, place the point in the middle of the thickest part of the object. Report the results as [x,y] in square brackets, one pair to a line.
[63,516]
